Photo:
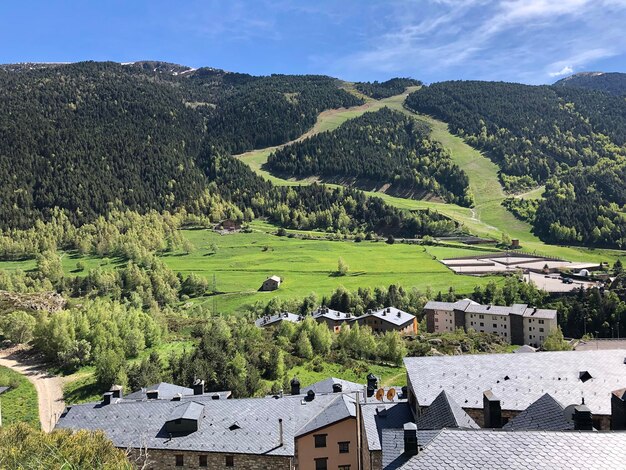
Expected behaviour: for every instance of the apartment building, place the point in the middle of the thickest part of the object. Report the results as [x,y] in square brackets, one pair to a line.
[516,324]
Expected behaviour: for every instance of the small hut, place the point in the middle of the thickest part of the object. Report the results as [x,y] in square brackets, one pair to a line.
[271,283]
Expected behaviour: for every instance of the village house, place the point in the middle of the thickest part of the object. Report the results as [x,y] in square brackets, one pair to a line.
[518,324]
[334,319]
[277,319]
[389,319]
[271,283]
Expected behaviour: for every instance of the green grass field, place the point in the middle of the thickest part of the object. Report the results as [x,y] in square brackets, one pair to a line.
[19,404]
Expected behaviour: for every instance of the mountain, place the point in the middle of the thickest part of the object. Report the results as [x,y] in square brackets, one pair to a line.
[611,82]
[95,136]
[570,139]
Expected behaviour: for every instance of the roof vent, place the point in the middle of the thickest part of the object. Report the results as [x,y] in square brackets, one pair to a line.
[215,397]
[152,394]
[506,377]
[310,395]
[177,397]
[337,388]
[399,314]
[584,375]
[388,309]
[234,426]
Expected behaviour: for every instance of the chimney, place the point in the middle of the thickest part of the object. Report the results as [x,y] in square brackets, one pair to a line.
[370,391]
[310,395]
[583,419]
[198,387]
[106,398]
[152,394]
[280,432]
[295,386]
[410,439]
[337,388]
[492,410]
[372,381]
[618,410]
[405,391]
[117,390]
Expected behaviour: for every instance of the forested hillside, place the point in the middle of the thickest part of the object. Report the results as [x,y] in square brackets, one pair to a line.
[574,140]
[92,137]
[378,90]
[614,82]
[379,148]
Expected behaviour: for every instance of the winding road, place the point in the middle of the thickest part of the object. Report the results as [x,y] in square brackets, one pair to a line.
[49,387]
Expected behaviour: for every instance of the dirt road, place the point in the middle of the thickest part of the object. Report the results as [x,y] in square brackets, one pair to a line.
[49,387]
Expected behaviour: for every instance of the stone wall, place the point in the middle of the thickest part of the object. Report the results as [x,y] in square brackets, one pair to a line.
[166,459]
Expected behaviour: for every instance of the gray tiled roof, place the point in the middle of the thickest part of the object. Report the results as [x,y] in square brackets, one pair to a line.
[166,390]
[326,386]
[546,414]
[268,320]
[189,410]
[449,306]
[3,389]
[392,315]
[488,309]
[540,313]
[141,423]
[525,349]
[377,417]
[393,446]
[324,312]
[537,450]
[444,412]
[340,408]
[520,379]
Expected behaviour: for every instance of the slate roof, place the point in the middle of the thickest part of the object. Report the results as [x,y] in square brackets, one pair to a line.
[340,408]
[190,410]
[540,313]
[141,423]
[326,386]
[546,414]
[488,309]
[449,306]
[393,446]
[3,389]
[392,315]
[166,390]
[378,416]
[324,312]
[530,376]
[268,320]
[537,450]
[444,412]
[525,349]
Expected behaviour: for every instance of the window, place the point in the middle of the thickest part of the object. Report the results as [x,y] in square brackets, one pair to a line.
[180,461]
[540,330]
[320,440]
[541,322]
[344,467]
[230,461]
[481,317]
[202,461]
[344,447]
[530,328]
[321,464]
[482,324]
[495,325]
[436,320]
[505,334]
[541,338]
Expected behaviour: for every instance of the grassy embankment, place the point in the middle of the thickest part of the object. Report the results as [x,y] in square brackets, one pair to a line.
[19,403]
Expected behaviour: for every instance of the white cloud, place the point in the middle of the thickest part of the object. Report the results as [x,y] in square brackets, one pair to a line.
[567,70]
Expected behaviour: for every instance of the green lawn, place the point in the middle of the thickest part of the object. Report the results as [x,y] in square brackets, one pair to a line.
[19,404]
[356,371]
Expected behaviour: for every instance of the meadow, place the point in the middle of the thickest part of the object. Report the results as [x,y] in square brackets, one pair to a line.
[19,403]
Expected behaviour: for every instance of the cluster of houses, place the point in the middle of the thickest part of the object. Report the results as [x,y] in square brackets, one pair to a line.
[542,410]
[380,321]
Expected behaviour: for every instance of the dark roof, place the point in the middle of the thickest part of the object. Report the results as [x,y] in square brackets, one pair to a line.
[131,424]
[277,318]
[190,410]
[444,412]
[546,414]
[391,315]
[537,450]
[340,408]
[530,376]
[326,386]
[166,391]
[393,446]
[379,416]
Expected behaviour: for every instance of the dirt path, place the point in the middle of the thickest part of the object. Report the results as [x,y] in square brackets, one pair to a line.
[49,387]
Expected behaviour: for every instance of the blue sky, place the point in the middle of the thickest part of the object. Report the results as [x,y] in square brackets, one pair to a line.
[530,41]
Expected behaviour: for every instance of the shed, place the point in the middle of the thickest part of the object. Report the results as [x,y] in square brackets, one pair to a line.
[271,283]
